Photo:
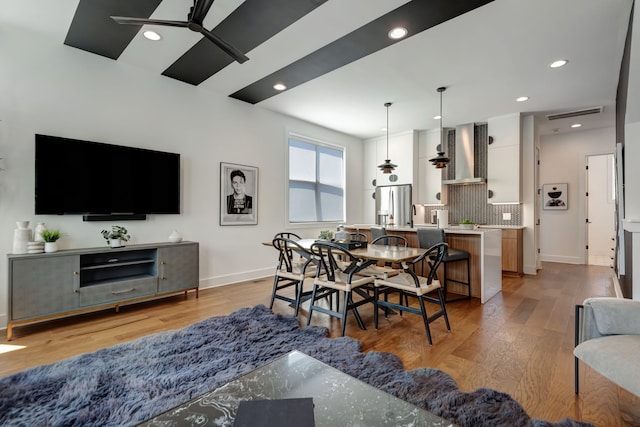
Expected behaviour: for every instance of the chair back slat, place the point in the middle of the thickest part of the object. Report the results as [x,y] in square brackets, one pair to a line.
[434,256]
[391,240]
[333,258]
[287,249]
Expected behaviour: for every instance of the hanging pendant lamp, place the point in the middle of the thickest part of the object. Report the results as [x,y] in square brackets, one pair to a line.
[387,166]
[440,161]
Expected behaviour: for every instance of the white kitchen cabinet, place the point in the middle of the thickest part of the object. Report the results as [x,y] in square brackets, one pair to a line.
[428,184]
[402,148]
[504,160]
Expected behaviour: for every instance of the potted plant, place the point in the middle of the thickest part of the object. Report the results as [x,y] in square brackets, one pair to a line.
[50,238]
[116,236]
[326,235]
[466,224]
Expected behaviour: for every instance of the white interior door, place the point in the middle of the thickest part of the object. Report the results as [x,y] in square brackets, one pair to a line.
[601,233]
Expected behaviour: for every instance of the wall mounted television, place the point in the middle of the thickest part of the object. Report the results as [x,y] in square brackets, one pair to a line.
[104,181]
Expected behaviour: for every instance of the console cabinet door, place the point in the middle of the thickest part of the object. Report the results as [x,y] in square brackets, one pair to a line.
[178,267]
[43,285]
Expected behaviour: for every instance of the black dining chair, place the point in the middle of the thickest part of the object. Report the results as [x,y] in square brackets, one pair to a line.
[295,264]
[409,284]
[337,274]
[377,232]
[427,237]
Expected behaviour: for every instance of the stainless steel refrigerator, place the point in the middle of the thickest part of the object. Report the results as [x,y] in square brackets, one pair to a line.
[393,205]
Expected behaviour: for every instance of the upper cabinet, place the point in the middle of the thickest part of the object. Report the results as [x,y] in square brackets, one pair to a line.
[402,147]
[504,159]
[428,185]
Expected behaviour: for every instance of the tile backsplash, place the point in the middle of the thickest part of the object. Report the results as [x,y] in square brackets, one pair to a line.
[470,201]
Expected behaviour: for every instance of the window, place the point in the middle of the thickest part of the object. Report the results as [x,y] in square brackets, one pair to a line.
[316,181]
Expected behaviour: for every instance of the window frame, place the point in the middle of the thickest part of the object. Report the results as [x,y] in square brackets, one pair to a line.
[321,143]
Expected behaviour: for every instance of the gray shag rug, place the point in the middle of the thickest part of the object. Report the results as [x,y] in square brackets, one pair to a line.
[129,383]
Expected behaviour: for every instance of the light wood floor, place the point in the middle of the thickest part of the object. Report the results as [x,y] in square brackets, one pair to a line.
[520,342]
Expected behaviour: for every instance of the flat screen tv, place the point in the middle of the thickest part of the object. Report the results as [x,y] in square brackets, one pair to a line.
[91,178]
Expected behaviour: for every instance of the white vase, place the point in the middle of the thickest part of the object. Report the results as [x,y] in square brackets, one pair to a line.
[115,243]
[21,238]
[175,237]
[37,237]
[50,247]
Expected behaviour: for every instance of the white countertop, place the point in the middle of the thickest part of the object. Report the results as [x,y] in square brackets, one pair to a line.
[453,229]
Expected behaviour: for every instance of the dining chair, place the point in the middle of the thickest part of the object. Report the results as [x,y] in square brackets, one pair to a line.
[409,284]
[377,232]
[295,264]
[358,237]
[337,274]
[427,237]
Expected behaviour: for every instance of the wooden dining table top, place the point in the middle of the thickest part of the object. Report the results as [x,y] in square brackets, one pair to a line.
[377,252]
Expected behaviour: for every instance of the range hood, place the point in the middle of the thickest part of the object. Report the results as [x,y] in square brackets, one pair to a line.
[464,161]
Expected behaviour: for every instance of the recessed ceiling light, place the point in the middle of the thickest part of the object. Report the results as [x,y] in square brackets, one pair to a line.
[522,98]
[576,125]
[438,117]
[558,63]
[152,35]
[279,86]
[397,33]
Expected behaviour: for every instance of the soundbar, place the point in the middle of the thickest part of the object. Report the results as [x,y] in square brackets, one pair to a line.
[114,217]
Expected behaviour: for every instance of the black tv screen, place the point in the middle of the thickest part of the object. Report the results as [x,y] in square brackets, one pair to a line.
[84,177]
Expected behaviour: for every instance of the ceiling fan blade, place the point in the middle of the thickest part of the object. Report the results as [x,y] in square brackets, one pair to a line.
[200,10]
[142,21]
[230,50]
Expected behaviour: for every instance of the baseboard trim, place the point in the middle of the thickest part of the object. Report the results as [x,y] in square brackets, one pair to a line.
[229,279]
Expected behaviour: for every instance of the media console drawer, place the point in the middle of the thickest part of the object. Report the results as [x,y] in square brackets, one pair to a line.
[117,291]
[51,285]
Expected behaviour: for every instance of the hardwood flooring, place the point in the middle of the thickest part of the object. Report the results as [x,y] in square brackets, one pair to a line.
[519,342]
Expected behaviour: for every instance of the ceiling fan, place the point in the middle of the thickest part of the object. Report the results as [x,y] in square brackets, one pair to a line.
[194,21]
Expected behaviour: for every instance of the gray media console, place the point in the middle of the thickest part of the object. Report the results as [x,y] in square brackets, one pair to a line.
[51,285]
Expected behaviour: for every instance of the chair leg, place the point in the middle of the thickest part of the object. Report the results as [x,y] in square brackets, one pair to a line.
[425,319]
[376,292]
[313,301]
[469,277]
[273,293]
[299,287]
[444,309]
[345,311]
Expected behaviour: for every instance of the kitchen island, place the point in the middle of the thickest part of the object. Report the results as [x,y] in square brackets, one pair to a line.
[483,244]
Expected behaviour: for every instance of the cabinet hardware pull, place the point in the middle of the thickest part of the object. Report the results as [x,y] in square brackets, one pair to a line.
[162,262]
[113,260]
[75,273]
[163,278]
[123,291]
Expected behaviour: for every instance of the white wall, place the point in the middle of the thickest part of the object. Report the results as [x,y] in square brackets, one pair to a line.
[563,160]
[49,88]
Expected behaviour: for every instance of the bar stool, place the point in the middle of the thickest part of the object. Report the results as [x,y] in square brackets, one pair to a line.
[377,232]
[427,237]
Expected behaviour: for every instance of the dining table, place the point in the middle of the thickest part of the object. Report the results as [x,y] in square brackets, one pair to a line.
[392,254]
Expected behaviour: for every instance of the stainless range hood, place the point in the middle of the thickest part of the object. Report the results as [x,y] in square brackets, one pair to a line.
[464,161]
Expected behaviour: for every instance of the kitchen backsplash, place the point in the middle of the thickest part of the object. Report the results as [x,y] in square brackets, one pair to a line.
[470,201]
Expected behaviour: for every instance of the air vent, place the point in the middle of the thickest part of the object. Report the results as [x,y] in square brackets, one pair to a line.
[577,113]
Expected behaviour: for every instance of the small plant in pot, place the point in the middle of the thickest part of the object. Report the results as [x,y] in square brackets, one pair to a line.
[326,235]
[50,238]
[466,224]
[116,236]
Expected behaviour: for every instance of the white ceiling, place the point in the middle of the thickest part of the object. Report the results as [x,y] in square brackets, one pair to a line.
[486,58]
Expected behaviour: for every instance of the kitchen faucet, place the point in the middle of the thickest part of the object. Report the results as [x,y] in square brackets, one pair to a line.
[413,213]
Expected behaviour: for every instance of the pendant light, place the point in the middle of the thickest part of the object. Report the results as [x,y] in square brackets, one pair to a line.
[440,161]
[387,166]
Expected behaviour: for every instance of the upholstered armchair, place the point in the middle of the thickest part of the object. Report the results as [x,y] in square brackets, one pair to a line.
[608,340]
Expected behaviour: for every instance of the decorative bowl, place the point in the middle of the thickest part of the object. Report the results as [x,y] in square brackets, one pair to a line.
[467,226]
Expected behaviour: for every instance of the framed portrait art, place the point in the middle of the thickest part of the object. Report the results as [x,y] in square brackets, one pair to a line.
[555,197]
[238,194]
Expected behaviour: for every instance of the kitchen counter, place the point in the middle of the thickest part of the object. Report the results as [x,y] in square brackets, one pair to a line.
[484,245]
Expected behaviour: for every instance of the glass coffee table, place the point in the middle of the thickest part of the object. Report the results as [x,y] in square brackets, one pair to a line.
[338,399]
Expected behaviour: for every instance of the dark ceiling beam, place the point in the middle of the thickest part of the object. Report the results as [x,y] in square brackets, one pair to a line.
[416,16]
[250,25]
[93,30]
